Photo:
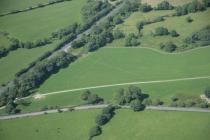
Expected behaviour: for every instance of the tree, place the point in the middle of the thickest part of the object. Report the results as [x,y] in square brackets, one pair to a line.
[174,33]
[117,19]
[189,19]
[85,95]
[139,26]
[164,5]
[160,31]
[118,34]
[119,97]
[131,40]
[168,47]
[207,92]
[145,8]
[136,105]
[101,119]
[135,92]
[94,131]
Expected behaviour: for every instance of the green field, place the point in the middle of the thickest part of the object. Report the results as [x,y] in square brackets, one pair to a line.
[173,2]
[4,41]
[76,125]
[156,125]
[10,5]
[183,28]
[121,65]
[19,59]
[65,126]
[40,23]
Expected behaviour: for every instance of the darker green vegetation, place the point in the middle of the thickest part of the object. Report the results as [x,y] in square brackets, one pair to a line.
[207,92]
[188,101]
[102,119]
[145,8]
[192,7]
[164,5]
[189,19]
[132,96]
[161,31]
[23,85]
[118,34]
[168,47]
[201,37]
[91,98]
[131,40]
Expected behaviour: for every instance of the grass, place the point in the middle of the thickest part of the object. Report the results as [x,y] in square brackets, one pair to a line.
[173,2]
[4,41]
[40,23]
[68,125]
[157,125]
[10,5]
[19,59]
[111,66]
[184,29]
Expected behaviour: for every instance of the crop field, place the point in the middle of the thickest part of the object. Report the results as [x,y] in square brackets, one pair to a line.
[173,2]
[19,59]
[40,23]
[10,5]
[156,125]
[69,125]
[183,28]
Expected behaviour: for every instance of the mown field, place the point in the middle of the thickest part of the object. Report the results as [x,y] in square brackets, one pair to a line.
[76,125]
[65,126]
[10,5]
[19,59]
[183,28]
[156,125]
[40,23]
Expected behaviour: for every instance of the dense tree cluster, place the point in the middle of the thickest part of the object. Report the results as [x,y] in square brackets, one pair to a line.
[91,98]
[207,92]
[131,40]
[145,8]
[168,47]
[164,5]
[22,86]
[201,37]
[160,31]
[132,96]
[192,7]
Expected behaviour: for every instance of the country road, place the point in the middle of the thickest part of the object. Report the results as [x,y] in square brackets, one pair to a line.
[86,107]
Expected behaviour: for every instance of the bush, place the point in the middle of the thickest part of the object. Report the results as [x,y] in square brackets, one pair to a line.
[91,98]
[165,5]
[145,8]
[101,119]
[157,102]
[118,34]
[136,105]
[95,131]
[168,47]
[180,104]
[207,92]
[174,33]
[131,40]
[189,19]
[160,31]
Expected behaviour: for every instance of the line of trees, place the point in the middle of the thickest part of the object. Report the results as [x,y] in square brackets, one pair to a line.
[164,5]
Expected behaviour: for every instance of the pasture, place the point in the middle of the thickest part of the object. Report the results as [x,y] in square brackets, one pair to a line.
[183,28]
[40,23]
[68,125]
[157,125]
[173,2]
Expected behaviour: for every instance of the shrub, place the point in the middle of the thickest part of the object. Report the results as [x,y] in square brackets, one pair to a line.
[207,92]
[160,31]
[95,131]
[101,119]
[180,104]
[157,102]
[168,47]
[164,5]
[118,34]
[131,40]
[189,19]
[145,8]
[136,105]
[174,33]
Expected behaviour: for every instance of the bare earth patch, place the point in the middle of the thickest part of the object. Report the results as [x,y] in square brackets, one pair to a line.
[39,96]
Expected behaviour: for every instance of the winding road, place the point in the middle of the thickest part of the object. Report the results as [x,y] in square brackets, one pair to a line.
[86,107]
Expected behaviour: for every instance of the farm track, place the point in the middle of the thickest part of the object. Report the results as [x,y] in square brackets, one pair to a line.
[86,107]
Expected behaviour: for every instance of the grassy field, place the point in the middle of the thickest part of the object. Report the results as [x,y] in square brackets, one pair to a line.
[173,2]
[111,66]
[19,59]
[10,5]
[156,125]
[40,23]
[185,29]
[65,126]
[4,41]
[76,125]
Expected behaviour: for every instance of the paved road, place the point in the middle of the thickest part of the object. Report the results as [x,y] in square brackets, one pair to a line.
[85,107]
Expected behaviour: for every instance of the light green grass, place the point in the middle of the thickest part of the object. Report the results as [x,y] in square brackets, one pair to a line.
[173,2]
[157,125]
[40,23]
[162,91]
[19,59]
[10,5]
[183,28]
[4,41]
[112,66]
[59,126]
